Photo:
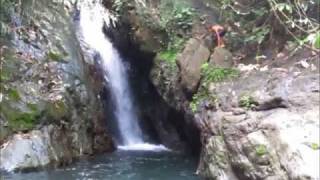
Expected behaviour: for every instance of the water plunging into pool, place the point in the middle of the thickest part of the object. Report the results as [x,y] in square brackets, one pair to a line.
[135,159]
[93,17]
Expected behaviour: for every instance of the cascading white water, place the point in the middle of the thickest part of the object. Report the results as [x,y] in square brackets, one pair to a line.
[93,16]
[92,21]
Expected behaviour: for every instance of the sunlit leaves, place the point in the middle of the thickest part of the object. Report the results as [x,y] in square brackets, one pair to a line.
[284,7]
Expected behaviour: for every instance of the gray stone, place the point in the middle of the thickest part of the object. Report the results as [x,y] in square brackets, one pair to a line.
[270,142]
[190,61]
[221,58]
[33,150]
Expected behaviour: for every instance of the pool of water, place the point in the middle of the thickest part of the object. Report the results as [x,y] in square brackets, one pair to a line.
[121,165]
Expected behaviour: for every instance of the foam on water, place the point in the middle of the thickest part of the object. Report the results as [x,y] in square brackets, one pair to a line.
[143,147]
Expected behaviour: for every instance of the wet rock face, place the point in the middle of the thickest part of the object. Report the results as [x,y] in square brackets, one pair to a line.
[47,82]
[274,134]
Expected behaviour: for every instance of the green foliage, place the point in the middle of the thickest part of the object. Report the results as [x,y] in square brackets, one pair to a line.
[215,74]
[247,101]
[313,39]
[261,150]
[20,120]
[4,76]
[258,35]
[254,21]
[201,95]
[295,17]
[24,121]
[118,5]
[316,42]
[209,75]
[176,17]
[168,55]
[183,17]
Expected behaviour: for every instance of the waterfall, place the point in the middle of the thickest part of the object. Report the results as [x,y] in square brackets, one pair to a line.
[93,16]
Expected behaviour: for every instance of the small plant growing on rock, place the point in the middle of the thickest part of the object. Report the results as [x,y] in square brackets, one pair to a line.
[171,52]
[261,150]
[315,146]
[215,74]
[247,102]
[14,94]
[55,56]
[201,95]
[169,55]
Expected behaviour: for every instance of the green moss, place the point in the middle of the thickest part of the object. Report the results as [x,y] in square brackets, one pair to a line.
[32,107]
[247,102]
[168,55]
[315,146]
[4,76]
[221,159]
[18,119]
[24,121]
[261,150]
[14,95]
[54,56]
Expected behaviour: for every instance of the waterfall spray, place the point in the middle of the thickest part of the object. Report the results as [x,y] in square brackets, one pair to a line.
[93,17]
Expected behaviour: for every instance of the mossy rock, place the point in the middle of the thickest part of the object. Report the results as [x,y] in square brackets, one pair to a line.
[55,56]
[14,94]
[4,75]
[261,150]
[56,110]
[20,120]
[168,55]
[20,117]
[247,101]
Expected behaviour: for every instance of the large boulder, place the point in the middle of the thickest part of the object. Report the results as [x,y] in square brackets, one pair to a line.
[194,55]
[221,58]
[266,127]
[35,149]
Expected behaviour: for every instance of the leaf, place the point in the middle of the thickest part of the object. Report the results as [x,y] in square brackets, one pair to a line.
[316,43]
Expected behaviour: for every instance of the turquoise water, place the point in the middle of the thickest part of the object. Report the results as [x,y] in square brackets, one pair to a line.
[121,165]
